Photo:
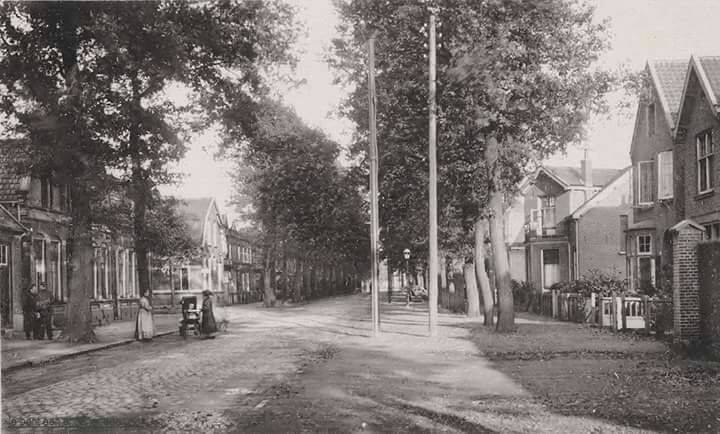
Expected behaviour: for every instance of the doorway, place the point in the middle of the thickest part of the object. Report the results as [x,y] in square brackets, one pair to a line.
[5,289]
[551,267]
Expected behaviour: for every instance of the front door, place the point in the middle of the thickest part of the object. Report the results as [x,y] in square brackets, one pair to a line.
[551,267]
[5,291]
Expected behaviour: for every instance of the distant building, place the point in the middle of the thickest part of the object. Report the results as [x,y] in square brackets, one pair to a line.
[543,244]
[206,269]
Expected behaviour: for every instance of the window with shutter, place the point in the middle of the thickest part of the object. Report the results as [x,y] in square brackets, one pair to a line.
[645,182]
[665,175]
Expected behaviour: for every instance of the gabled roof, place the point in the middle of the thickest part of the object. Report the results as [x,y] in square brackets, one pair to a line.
[13,157]
[569,176]
[195,212]
[9,223]
[707,71]
[620,174]
[668,77]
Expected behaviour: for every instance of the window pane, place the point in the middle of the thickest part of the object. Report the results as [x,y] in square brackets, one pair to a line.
[702,174]
[39,252]
[53,270]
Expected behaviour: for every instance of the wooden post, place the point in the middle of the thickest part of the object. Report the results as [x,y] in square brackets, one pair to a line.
[623,314]
[646,314]
[374,218]
[433,282]
[613,311]
[593,308]
[554,294]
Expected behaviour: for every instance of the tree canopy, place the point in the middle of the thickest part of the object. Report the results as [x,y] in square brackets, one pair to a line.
[516,82]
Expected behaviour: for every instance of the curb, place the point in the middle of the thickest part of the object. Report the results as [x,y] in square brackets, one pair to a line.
[51,359]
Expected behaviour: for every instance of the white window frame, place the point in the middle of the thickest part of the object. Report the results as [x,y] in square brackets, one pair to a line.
[650,245]
[712,231]
[4,254]
[43,261]
[639,182]
[705,158]
[665,175]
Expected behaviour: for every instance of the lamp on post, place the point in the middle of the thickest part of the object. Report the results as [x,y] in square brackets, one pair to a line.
[406,255]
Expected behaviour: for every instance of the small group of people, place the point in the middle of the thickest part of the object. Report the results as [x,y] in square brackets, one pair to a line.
[145,325]
[37,312]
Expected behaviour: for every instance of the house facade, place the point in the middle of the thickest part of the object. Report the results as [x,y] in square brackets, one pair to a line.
[42,205]
[243,266]
[204,271]
[696,150]
[595,241]
[538,233]
[648,241]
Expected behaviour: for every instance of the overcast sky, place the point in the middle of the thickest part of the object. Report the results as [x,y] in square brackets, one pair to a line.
[642,29]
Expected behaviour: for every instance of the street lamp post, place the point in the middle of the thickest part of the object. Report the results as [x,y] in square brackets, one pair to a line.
[406,255]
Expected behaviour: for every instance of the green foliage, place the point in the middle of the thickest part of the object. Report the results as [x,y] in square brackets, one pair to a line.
[524,294]
[520,73]
[595,281]
[299,197]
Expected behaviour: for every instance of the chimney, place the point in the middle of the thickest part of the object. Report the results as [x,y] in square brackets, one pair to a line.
[586,170]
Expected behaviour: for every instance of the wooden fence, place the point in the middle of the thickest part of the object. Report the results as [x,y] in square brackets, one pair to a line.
[625,313]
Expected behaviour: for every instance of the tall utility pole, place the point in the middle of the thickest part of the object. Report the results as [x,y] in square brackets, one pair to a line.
[374,220]
[433,260]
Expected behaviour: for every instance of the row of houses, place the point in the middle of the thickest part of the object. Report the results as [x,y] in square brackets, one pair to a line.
[35,231]
[567,221]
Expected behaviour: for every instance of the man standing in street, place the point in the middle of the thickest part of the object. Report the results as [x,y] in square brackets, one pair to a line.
[29,304]
[44,308]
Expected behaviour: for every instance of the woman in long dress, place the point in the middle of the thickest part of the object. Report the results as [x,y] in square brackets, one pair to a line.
[208,327]
[144,326]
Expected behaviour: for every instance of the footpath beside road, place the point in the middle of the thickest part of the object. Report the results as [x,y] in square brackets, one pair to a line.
[19,352]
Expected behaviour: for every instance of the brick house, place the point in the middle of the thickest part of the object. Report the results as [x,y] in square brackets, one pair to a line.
[540,237]
[11,234]
[697,130]
[42,204]
[243,266]
[648,241]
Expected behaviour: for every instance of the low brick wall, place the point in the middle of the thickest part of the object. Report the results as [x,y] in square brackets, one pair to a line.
[709,273]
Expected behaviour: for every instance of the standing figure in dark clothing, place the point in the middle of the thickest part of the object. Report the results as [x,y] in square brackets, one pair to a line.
[29,303]
[44,308]
[208,327]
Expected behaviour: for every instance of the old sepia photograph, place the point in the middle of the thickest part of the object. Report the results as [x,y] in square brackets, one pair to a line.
[360,216]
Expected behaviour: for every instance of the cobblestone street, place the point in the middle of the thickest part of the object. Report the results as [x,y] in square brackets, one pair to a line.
[313,368]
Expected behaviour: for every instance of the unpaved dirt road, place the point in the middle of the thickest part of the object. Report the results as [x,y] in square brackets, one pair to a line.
[314,368]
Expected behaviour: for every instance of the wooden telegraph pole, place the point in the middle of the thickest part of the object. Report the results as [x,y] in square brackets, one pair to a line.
[374,220]
[433,260]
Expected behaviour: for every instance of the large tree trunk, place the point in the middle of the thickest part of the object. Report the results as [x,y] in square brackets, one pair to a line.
[268,278]
[78,327]
[481,228]
[473,298]
[139,225]
[140,190]
[506,309]
[299,280]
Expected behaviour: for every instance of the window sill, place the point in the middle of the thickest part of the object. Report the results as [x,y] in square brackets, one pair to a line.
[646,205]
[705,194]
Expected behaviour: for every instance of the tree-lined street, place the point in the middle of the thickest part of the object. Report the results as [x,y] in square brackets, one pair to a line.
[313,368]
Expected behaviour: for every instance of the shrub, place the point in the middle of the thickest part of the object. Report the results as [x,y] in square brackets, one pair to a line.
[595,281]
[524,294]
